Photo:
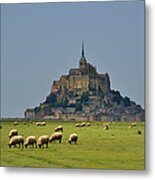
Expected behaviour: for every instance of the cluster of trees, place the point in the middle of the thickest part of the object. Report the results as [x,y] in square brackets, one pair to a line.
[119,99]
[84,99]
[64,102]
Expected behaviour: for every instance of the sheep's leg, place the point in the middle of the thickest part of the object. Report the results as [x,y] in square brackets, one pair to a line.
[46,145]
[60,141]
[15,146]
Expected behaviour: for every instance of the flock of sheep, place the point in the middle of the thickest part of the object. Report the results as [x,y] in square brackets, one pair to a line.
[42,141]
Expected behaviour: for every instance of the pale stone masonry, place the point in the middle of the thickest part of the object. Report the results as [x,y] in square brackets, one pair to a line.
[82,78]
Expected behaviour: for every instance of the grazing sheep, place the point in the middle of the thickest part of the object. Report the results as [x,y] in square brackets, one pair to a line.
[73,138]
[16,140]
[106,126]
[133,124]
[87,124]
[41,123]
[30,140]
[82,124]
[15,123]
[37,123]
[77,125]
[57,136]
[43,140]
[58,128]
[13,132]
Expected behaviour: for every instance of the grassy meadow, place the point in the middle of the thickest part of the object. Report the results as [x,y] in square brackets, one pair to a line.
[117,148]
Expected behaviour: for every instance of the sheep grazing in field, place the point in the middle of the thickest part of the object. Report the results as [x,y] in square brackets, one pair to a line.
[16,140]
[73,138]
[87,124]
[57,136]
[132,125]
[77,125]
[13,132]
[59,128]
[15,123]
[41,123]
[44,139]
[30,140]
[82,124]
[106,126]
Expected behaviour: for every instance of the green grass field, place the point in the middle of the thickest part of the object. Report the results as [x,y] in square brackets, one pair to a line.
[117,148]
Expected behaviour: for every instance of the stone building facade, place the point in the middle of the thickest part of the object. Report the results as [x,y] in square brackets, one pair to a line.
[82,78]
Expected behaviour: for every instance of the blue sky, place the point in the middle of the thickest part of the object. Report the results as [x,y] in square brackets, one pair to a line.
[40,42]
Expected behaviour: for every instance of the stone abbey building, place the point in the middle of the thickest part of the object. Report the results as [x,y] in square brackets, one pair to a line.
[82,78]
[84,94]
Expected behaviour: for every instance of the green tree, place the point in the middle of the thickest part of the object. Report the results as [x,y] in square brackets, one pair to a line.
[51,98]
[116,97]
[85,97]
[126,101]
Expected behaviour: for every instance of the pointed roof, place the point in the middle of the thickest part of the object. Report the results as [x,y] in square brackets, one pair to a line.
[82,48]
[83,59]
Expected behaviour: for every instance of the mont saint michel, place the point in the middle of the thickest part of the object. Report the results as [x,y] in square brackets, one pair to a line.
[84,94]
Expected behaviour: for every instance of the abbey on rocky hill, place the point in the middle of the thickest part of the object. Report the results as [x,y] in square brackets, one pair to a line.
[82,79]
[84,94]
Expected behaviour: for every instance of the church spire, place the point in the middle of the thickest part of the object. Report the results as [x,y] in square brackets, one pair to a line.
[82,49]
[82,62]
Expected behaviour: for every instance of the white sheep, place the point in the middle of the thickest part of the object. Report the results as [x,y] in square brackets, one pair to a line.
[106,126]
[58,128]
[16,140]
[83,124]
[77,125]
[30,140]
[41,123]
[15,123]
[57,136]
[87,124]
[73,138]
[44,139]
[13,132]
